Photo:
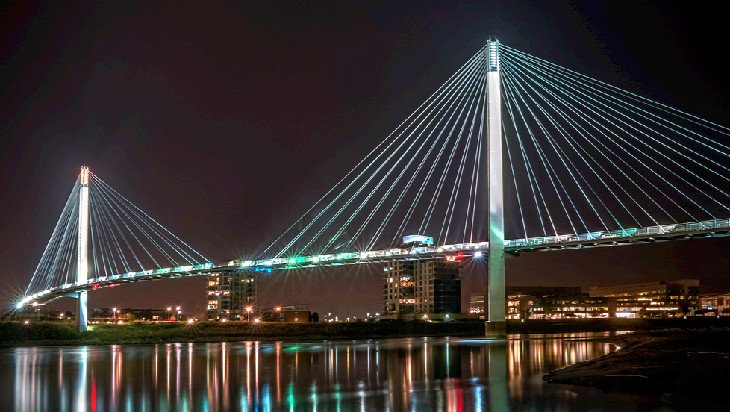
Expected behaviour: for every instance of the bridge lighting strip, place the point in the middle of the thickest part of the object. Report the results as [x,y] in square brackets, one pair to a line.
[628,106]
[589,117]
[594,105]
[528,164]
[506,50]
[576,146]
[514,79]
[300,262]
[392,185]
[454,80]
[424,183]
[525,163]
[414,175]
[639,123]
[425,222]
[456,188]
[547,165]
[602,129]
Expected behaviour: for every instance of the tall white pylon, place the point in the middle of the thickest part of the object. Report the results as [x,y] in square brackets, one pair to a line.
[495,299]
[82,273]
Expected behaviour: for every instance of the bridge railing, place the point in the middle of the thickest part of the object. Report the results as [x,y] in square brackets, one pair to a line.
[626,233]
[714,226]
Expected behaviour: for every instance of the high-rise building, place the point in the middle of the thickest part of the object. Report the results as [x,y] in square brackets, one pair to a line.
[231,295]
[421,287]
[652,299]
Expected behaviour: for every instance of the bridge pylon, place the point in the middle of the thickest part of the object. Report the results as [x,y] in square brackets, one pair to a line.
[495,300]
[82,268]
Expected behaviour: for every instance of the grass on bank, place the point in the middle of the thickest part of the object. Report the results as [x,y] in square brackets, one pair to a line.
[56,333]
[12,333]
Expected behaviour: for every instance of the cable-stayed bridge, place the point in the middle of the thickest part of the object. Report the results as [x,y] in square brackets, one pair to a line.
[511,154]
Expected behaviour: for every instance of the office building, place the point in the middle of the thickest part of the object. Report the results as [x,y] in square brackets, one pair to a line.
[476,304]
[569,307]
[414,288]
[231,295]
[549,302]
[717,304]
[522,301]
[665,298]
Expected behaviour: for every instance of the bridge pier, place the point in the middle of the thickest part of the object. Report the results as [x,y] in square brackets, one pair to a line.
[81,311]
[496,326]
[82,272]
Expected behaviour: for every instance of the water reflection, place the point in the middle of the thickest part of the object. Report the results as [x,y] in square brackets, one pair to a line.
[393,374]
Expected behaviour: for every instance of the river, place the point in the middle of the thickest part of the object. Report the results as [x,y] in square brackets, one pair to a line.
[408,374]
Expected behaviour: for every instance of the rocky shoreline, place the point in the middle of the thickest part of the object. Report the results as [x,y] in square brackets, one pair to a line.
[679,365]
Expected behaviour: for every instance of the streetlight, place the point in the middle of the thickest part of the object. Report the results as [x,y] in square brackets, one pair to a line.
[249,309]
[277,309]
[114,312]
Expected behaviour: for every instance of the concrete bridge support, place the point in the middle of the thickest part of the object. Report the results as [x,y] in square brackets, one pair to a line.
[82,273]
[495,299]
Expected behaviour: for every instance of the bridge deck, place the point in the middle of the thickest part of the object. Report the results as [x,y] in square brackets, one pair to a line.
[679,231]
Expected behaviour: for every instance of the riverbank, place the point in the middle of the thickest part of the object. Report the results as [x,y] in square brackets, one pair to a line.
[50,333]
[56,333]
[684,367]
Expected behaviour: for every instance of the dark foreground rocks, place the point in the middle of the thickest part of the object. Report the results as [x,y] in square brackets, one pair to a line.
[679,364]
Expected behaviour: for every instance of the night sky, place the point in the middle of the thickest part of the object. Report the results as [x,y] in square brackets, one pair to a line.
[225,121]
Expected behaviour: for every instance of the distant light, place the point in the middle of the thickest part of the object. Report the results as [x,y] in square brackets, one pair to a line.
[249,309]
[224,320]
[191,320]
[257,320]
[26,322]
[277,309]
[120,323]
[177,308]
[169,308]
[478,254]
